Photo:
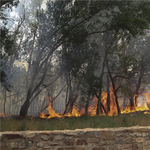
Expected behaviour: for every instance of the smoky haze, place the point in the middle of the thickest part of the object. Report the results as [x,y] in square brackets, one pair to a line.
[72,54]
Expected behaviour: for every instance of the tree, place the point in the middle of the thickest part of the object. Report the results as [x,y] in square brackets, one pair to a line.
[127,24]
[137,65]
[55,43]
[51,27]
[6,41]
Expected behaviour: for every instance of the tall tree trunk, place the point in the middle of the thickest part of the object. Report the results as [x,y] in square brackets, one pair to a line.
[116,100]
[114,87]
[17,108]
[139,84]
[69,105]
[24,109]
[99,104]
[99,107]
[130,95]
[124,102]
[5,101]
[136,100]
[10,106]
[102,108]
[67,90]
[32,91]
[69,100]
[108,95]
[87,104]
[26,104]
[131,102]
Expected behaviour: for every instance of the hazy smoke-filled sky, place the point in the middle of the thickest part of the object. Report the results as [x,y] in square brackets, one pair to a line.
[16,13]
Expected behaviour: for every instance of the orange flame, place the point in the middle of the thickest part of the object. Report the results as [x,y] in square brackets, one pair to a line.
[92,108]
[144,107]
[2,115]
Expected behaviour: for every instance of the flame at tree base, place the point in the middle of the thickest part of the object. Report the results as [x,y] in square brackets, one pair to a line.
[145,108]
[128,109]
[75,113]
[53,114]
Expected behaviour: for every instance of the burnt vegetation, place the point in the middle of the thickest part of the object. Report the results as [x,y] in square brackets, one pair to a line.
[71,58]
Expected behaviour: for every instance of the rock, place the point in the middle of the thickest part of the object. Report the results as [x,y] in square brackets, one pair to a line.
[45,137]
[40,144]
[93,140]
[69,142]
[81,142]
[29,135]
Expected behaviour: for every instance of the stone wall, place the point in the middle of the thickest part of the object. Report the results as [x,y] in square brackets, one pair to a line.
[133,138]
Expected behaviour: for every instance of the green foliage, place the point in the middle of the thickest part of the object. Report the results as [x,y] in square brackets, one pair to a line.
[9,3]
[126,19]
[7,41]
[132,17]
[6,4]
[63,30]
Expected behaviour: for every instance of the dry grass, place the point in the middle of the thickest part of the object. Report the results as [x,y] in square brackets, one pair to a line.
[8,124]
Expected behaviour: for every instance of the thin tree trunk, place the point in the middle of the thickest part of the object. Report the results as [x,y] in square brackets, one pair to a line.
[10,107]
[131,102]
[31,92]
[5,101]
[69,105]
[114,87]
[87,104]
[103,108]
[69,100]
[116,100]
[136,100]
[130,95]
[99,107]
[66,96]
[124,102]
[25,106]
[139,84]
[17,108]
[108,95]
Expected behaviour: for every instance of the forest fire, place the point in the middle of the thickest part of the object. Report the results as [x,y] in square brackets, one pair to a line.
[145,108]
[53,114]
[2,115]
[136,109]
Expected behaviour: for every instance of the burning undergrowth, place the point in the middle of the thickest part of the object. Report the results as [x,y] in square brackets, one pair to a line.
[144,107]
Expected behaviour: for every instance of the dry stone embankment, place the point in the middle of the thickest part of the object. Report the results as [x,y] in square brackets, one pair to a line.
[132,138]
